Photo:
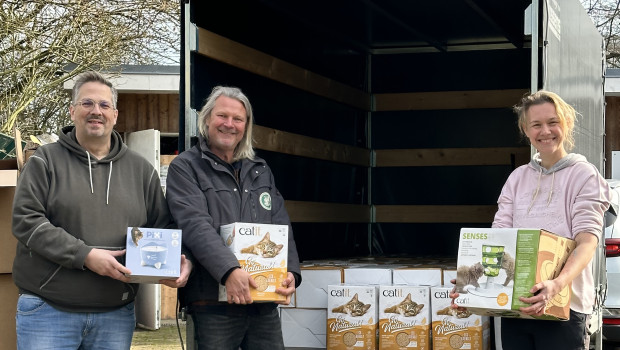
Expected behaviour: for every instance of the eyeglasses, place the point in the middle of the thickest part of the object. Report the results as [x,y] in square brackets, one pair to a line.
[90,104]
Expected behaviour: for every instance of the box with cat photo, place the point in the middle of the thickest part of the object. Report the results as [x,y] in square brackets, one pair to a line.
[352,317]
[404,317]
[496,266]
[153,254]
[262,250]
[456,328]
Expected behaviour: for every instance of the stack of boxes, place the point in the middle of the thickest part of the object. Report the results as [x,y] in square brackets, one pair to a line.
[340,303]
[8,243]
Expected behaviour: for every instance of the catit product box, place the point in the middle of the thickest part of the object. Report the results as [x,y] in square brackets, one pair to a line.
[496,266]
[456,329]
[153,254]
[262,250]
[352,317]
[404,317]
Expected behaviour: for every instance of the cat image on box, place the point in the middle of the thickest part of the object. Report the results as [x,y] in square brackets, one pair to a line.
[407,307]
[265,248]
[136,235]
[470,275]
[353,308]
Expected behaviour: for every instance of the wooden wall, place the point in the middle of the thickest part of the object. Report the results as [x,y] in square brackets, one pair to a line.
[148,111]
[249,59]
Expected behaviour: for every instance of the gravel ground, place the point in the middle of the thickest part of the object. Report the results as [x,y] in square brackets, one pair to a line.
[165,338]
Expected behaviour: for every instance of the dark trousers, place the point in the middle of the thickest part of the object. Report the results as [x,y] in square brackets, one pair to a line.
[230,327]
[524,334]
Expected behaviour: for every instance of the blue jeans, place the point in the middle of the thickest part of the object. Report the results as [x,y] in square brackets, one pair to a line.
[40,327]
[230,327]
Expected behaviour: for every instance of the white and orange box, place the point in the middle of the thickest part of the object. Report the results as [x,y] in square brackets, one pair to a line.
[454,329]
[404,317]
[496,266]
[352,317]
[262,250]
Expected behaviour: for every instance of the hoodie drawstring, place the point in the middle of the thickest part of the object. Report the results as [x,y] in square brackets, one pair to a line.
[535,192]
[538,188]
[107,192]
[90,175]
[551,190]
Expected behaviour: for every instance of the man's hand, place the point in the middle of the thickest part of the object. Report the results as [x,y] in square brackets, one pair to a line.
[104,263]
[186,269]
[238,287]
[287,289]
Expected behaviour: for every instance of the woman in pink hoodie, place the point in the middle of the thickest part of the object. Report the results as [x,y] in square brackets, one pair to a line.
[560,192]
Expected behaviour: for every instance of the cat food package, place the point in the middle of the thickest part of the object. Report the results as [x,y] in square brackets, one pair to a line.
[404,317]
[352,317]
[262,250]
[453,329]
[496,266]
[153,254]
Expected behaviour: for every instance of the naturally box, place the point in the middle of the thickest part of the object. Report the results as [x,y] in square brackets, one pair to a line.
[496,266]
[262,250]
[153,254]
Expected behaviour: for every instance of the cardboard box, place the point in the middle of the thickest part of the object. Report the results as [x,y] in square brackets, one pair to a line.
[312,293]
[448,275]
[452,329]
[304,328]
[368,275]
[153,254]
[417,276]
[8,242]
[8,308]
[498,265]
[352,317]
[262,250]
[404,317]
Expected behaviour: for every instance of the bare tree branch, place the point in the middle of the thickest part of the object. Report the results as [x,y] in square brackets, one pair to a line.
[40,38]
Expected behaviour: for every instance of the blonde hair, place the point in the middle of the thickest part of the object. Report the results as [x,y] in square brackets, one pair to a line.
[244,149]
[566,113]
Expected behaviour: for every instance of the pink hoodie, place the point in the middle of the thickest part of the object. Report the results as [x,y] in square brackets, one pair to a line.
[567,199]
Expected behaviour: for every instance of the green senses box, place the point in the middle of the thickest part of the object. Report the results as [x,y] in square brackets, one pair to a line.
[496,266]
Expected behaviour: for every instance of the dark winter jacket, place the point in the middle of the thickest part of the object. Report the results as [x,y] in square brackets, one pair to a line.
[67,203]
[203,194]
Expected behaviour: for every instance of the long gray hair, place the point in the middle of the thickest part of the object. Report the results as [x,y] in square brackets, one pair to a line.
[244,149]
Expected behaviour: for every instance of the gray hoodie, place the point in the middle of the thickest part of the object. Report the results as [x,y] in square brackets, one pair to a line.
[67,203]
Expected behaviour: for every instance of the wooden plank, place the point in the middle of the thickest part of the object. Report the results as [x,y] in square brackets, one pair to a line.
[142,104]
[152,114]
[166,159]
[168,303]
[163,112]
[451,156]
[173,113]
[435,213]
[238,55]
[284,142]
[300,211]
[410,101]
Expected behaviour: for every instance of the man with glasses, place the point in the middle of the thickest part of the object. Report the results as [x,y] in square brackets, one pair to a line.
[73,203]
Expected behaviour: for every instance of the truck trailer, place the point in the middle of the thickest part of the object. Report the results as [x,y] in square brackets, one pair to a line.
[389,124]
